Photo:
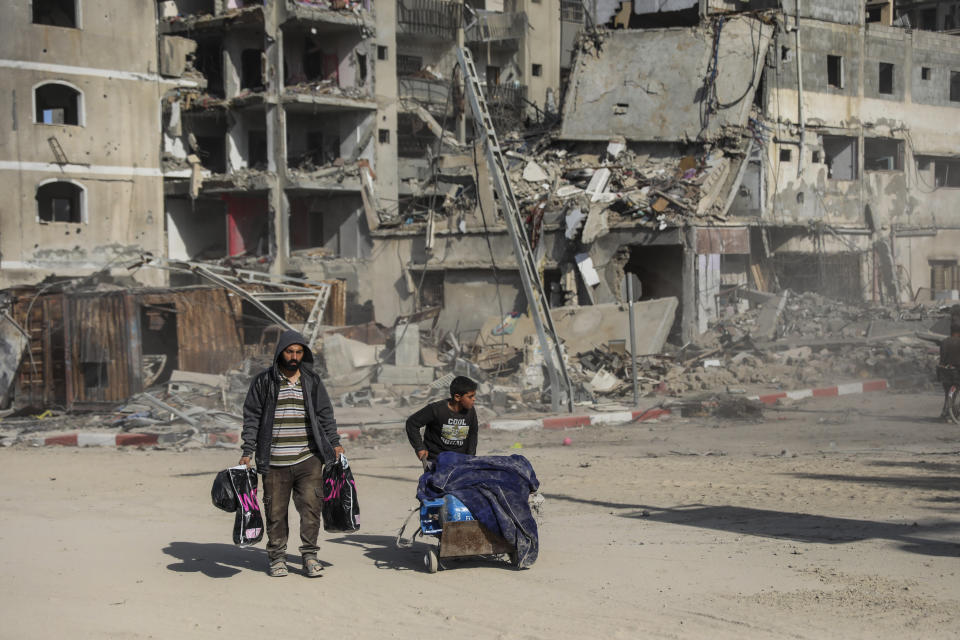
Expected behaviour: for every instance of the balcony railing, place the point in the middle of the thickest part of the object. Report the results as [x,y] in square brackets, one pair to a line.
[435,18]
[506,104]
[571,11]
[491,26]
[428,93]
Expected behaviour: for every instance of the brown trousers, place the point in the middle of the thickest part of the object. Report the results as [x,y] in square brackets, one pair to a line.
[305,481]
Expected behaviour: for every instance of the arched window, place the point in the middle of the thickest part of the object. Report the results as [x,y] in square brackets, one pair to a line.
[57,103]
[56,13]
[60,201]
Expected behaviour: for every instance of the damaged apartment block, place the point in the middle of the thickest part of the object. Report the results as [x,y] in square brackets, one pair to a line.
[270,156]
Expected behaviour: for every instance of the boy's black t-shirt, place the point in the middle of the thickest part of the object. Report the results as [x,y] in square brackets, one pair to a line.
[443,430]
[950,352]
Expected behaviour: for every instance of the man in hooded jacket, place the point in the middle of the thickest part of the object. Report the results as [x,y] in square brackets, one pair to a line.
[289,429]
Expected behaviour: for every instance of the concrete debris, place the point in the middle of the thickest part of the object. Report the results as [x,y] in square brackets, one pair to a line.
[534,173]
[13,344]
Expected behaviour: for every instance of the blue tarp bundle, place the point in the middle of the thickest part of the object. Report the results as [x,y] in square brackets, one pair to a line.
[496,489]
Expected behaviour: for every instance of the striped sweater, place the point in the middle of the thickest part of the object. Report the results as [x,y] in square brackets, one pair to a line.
[292,441]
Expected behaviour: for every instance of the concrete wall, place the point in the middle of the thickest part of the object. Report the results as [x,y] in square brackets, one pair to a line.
[650,85]
[917,115]
[112,153]
[542,47]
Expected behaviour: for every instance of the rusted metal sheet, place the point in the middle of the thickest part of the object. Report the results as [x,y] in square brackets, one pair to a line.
[209,338]
[470,538]
[335,315]
[100,349]
[209,330]
[722,240]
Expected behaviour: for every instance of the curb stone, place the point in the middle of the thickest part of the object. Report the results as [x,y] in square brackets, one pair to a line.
[230,438]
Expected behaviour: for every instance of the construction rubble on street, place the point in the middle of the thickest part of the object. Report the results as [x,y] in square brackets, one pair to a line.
[776,342]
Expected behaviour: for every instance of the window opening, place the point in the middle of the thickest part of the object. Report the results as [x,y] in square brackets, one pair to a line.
[384,135]
[57,104]
[924,73]
[882,154]
[537,70]
[835,71]
[840,153]
[786,155]
[886,78]
[257,149]
[955,86]
[381,52]
[213,153]
[251,76]
[56,13]
[60,202]
[408,65]
[944,275]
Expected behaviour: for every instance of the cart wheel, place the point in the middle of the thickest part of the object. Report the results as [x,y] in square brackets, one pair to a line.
[953,404]
[430,561]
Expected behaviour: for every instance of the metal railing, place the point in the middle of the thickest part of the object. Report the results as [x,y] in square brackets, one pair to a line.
[424,91]
[571,11]
[492,26]
[436,18]
[506,105]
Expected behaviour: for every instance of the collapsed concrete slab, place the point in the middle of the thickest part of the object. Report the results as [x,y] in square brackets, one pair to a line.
[586,328]
[667,84]
[13,342]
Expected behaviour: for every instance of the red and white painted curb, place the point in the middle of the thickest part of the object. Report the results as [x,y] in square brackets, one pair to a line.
[572,422]
[555,422]
[148,439]
[824,392]
[625,417]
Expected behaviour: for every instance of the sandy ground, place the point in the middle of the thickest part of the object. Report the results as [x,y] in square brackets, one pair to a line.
[837,518]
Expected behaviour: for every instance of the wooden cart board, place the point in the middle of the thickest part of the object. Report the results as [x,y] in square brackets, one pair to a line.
[470,538]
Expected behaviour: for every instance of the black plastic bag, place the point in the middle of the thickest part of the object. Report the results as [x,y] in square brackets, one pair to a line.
[341,510]
[222,493]
[248,523]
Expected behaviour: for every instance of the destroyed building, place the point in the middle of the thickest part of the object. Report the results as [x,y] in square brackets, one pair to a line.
[698,149]
[822,148]
[80,134]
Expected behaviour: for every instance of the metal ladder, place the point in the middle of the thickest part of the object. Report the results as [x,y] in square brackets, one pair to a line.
[560,386]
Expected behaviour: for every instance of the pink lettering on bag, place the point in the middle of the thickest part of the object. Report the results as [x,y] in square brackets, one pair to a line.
[249,501]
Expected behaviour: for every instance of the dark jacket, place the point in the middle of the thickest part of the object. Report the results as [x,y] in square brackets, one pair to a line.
[261,403]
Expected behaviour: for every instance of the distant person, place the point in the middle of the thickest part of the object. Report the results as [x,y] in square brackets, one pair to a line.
[448,425]
[288,425]
[950,359]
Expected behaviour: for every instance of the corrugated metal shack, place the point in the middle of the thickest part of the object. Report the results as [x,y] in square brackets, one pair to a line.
[92,349]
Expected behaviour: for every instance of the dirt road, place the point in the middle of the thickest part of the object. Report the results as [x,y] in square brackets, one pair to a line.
[837,519]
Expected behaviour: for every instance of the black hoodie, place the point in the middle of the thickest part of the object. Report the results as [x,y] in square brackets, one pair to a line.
[261,403]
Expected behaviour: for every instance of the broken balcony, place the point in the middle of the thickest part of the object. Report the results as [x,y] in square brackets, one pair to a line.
[496,27]
[350,14]
[434,95]
[194,16]
[433,19]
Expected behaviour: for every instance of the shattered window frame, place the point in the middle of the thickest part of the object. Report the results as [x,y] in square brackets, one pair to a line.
[883,154]
[833,147]
[945,273]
